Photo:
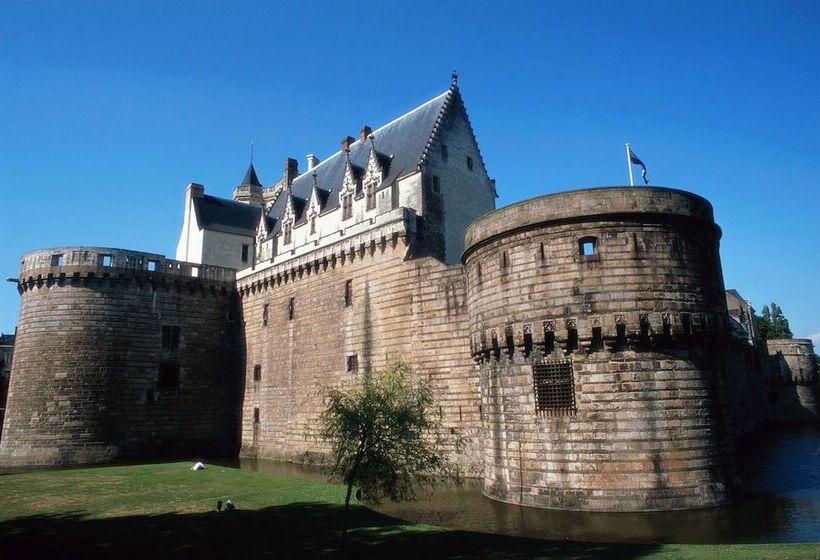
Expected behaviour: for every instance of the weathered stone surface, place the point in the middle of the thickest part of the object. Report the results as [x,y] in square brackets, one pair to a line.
[411,309]
[648,429]
[621,287]
[84,384]
[792,380]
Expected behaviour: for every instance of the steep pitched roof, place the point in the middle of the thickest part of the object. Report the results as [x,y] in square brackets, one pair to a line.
[250,177]
[405,140]
[220,214]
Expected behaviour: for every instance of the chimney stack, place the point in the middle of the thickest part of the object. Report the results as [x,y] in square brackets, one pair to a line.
[364,133]
[291,170]
[312,161]
[196,190]
[346,142]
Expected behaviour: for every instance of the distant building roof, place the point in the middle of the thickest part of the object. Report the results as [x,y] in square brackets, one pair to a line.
[6,340]
[227,216]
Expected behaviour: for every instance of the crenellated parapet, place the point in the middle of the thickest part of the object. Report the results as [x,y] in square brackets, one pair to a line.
[82,265]
[791,361]
[634,331]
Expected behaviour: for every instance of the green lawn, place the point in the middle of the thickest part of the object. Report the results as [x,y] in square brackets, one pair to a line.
[166,510]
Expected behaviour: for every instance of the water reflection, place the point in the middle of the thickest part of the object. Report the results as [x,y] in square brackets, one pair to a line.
[780,502]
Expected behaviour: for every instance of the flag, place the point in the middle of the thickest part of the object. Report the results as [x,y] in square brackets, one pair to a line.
[635,160]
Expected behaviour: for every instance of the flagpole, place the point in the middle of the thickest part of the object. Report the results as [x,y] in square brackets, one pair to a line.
[629,166]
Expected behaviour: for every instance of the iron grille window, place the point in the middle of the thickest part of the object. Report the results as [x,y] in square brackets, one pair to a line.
[554,387]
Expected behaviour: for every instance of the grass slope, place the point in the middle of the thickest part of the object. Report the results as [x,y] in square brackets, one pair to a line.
[166,510]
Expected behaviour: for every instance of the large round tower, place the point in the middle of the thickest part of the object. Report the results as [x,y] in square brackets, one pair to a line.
[120,353]
[597,317]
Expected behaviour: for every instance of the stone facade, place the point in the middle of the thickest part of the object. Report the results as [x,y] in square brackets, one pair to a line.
[121,354]
[792,380]
[340,312]
[581,343]
[623,287]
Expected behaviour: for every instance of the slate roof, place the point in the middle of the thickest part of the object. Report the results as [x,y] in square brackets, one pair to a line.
[220,214]
[404,140]
[250,177]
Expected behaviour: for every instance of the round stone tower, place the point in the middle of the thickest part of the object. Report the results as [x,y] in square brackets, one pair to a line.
[792,380]
[598,319]
[120,353]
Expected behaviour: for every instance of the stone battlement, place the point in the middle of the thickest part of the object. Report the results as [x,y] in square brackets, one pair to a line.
[66,263]
[348,249]
[612,333]
[588,205]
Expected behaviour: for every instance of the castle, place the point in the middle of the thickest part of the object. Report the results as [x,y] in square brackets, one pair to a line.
[580,342]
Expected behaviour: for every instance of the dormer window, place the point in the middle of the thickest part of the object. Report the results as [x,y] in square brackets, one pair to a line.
[370,189]
[286,233]
[313,225]
[347,206]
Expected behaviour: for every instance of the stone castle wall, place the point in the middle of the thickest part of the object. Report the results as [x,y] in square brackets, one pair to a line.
[792,380]
[582,351]
[315,336]
[97,376]
[631,409]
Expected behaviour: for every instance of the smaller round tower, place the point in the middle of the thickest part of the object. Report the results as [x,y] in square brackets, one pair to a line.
[120,354]
[792,380]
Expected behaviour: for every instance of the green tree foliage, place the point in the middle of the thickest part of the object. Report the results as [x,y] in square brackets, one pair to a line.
[385,437]
[772,323]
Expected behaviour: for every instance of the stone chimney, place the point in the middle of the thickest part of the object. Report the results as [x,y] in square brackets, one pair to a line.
[194,190]
[346,142]
[364,133]
[312,161]
[291,170]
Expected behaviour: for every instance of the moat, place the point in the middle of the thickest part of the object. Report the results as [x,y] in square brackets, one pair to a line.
[780,502]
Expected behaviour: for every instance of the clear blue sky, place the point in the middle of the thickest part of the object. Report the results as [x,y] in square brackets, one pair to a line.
[108,109]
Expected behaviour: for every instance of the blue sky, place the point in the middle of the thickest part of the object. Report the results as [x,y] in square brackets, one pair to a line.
[110,108]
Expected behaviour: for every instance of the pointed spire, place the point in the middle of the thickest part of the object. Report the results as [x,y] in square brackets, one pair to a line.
[454,79]
[251,178]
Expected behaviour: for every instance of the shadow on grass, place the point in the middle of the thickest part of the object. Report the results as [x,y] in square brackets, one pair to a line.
[300,530]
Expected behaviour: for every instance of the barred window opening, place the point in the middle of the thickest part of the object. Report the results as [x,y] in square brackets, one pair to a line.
[554,387]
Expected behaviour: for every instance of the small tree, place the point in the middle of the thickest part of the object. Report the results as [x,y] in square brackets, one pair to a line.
[385,438]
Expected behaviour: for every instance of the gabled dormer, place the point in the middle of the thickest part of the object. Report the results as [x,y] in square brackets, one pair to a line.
[288,219]
[315,205]
[351,187]
[374,173]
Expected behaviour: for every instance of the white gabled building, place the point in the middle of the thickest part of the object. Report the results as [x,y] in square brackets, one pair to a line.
[426,163]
